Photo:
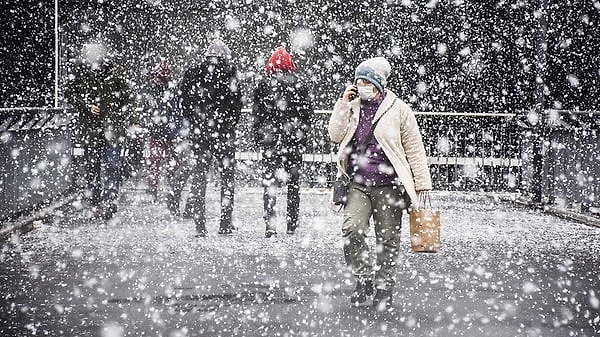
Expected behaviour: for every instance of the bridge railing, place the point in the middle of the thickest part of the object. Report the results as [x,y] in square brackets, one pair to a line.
[35,158]
[465,151]
[39,159]
[561,159]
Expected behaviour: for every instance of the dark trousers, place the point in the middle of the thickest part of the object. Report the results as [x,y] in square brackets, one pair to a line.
[291,165]
[102,172]
[133,161]
[162,152]
[224,157]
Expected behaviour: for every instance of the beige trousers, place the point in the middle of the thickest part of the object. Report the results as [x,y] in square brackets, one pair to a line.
[384,205]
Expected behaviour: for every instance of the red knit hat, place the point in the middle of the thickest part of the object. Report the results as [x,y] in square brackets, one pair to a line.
[280,60]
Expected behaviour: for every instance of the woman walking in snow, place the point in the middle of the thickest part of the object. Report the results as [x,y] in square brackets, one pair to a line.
[381,163]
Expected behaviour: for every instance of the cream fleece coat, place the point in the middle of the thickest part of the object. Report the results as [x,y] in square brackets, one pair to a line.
[398,135]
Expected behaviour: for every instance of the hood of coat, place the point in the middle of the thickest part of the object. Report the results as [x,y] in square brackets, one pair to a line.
[218,48]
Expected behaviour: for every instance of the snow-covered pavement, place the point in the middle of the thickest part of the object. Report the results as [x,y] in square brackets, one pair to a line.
[504,270]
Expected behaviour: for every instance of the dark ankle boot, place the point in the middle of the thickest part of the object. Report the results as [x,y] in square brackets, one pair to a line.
[270,228]
[291,228]
[382,300]
[226,229]
[200,228]
[173,204]
[270,232]
[361,292]
[201,233]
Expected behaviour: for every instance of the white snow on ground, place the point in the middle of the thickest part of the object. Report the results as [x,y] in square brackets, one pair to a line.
[504,270]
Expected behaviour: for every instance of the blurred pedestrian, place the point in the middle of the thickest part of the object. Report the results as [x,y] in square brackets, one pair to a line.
[134,160]
[282,114]
[185,163]
[381,163]
[211,101]
[162,124]
[102,98]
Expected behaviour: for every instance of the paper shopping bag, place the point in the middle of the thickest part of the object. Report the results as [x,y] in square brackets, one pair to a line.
[424,230]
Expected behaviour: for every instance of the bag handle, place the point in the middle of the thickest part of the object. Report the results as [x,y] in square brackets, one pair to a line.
[424,198]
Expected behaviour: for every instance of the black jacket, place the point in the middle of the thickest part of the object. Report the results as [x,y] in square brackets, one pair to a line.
[210,100]
[282,113]
[107,88]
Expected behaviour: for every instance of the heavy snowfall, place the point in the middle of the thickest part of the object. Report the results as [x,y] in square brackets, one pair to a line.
[506,94]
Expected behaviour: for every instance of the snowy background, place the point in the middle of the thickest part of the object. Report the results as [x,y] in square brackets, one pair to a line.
[503,270]
[453,55]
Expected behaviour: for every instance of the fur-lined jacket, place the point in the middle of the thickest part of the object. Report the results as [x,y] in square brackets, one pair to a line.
[398,135]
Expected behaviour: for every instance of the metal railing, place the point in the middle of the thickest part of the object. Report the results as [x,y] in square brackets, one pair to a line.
[561,159]
[466,152]
[35,158]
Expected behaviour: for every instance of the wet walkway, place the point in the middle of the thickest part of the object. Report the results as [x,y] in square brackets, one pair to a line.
[504,270]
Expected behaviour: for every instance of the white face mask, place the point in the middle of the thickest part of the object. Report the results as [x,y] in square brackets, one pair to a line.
[367,92]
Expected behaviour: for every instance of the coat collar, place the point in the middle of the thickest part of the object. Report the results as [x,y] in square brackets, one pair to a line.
[385,104]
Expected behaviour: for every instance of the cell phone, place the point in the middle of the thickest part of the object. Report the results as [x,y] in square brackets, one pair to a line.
[354,93]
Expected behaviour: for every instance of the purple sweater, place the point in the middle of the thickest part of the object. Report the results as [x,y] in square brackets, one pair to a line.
[370,167]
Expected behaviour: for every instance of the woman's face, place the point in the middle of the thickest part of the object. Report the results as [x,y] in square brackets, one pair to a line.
[366,90]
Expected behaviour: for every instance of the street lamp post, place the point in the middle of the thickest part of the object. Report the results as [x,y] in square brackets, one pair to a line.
[56,54]
[539,136]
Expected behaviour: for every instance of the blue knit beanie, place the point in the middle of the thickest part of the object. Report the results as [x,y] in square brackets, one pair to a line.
[375,70]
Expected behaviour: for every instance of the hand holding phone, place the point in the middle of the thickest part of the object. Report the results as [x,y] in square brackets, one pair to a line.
[95,110]
[350,93]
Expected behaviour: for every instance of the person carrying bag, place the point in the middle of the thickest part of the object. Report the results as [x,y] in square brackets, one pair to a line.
[382,154]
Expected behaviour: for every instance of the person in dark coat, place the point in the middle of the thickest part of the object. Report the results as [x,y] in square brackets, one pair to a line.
[211,102]
[282,113]
[102,98]
[162,124]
